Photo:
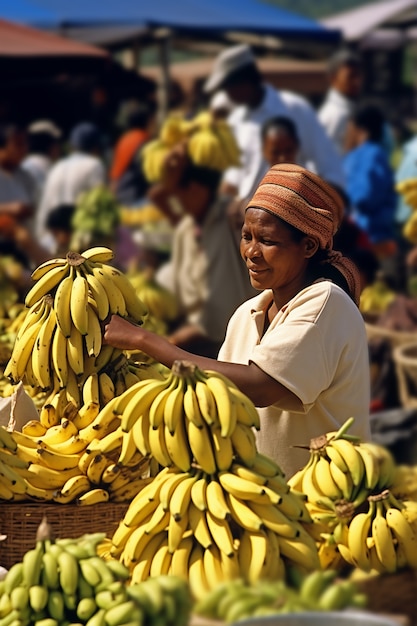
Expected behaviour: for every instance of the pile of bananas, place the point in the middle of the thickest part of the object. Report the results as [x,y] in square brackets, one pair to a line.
[71,454]
[209,143]
[382,538]
[65,581]
[408,189]
[209,529]
[361,504]
[59,343]
[218,510]
[318,591]
[96,217]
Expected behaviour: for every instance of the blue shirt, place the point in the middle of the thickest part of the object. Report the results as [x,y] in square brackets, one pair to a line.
[370,187]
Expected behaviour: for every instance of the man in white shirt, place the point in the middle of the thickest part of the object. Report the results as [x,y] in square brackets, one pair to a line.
[346,79]
[236,73]
[44,149]
[80,171]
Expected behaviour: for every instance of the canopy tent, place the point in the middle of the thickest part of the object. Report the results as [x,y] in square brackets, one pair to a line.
[390,23]
[197,16]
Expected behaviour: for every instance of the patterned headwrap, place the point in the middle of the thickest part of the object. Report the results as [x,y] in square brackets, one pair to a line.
[304,200]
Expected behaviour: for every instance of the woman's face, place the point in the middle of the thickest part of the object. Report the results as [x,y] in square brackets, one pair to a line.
[274,260]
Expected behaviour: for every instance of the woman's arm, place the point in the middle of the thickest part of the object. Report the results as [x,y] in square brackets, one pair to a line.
[261,388]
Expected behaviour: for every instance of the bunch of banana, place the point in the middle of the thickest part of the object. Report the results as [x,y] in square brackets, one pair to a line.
[160,302]
[382,538]
[153,157]
[404,483]
[64,581]
[376,298]
[233,601]
[213,145]
[207,529]
[189,417]
[408,189]
[342,468]
[60,340]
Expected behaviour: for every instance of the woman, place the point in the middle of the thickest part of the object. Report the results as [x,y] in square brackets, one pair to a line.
[299,348]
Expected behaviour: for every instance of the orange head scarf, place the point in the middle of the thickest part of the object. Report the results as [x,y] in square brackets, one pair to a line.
[304,200]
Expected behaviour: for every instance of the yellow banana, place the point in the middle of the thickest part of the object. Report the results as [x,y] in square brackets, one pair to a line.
[46,284]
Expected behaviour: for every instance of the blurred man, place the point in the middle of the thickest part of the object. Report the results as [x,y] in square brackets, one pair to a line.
[346,79]
[80,171]
[235,71]
[44,148]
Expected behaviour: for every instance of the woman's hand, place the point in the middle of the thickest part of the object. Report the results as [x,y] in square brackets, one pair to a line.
[121,334]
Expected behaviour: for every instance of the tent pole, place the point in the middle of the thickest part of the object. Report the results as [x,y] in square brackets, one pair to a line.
[164,83]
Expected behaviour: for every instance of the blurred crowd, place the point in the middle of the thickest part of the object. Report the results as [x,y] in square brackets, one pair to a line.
[180,221]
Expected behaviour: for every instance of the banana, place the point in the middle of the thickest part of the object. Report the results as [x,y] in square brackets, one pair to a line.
[40,476]
[273,519]
[298,551]
[178,447]
[173,409]
[404,533]
[62,305]
[59,356]
[38,597]
[350,454]
[191,407]
[90,392]
[32,564]
[22,350]
[358,531]
[216,501]
[206,402]
[212,567]
[243,514]
[246,411]
[176,529]
[181,557]
[198,524]
[144,559]
[117,305]
[240,487]
[343,481]
[98,294]
[222,448]
[221,532]
[139,398]
[266,466]
[79,304]
[253,547]
[133,305]
[41,353]
[199,493]
[50,575]
[202,447]
[94,496]
[73,488]
[93,337]
[181,497]
[98,254]
[59,433]
[226,408]
[106,388]
[161,561]
[46,284]
[323,477]
[197,578]
[75,351]
[371,466]
[244,444]
[47,266]
[158,521]
[34,428]
[384,544]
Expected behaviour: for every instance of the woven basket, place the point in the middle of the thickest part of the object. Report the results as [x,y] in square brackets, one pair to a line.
[395,337]
[405,359]
[394,594]
[20,520]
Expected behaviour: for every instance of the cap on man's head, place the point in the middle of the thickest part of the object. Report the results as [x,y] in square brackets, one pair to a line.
[226,64]
[45,127]
[344,57]
[85,136]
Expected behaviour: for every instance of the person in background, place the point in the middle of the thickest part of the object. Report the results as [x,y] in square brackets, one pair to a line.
[280,141]
[235,71]
[407,169]
[298,349]
[126,179]
[346,80]
[206,273]
[370,180]
[81,170]
[17,187]
[44,149]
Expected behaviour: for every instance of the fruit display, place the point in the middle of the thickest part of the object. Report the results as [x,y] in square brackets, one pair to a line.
[318,591]
[64,581]
[208,142]
[59,343]
[159,302]
[350,488]
[218,509]
[95,219]
[376,298]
